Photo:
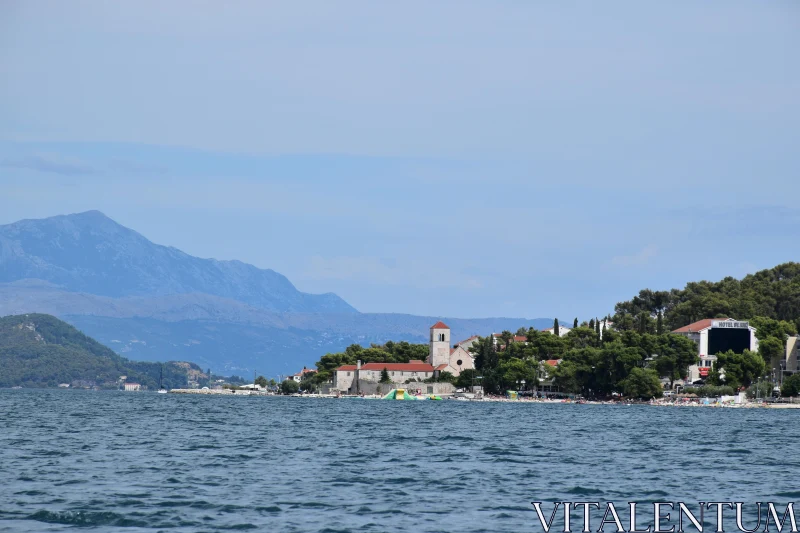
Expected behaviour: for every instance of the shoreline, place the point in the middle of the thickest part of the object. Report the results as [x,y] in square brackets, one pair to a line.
[657,403]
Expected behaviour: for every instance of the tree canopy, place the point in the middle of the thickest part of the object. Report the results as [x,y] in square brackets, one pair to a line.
[773,294]
[588,365]
[289,386]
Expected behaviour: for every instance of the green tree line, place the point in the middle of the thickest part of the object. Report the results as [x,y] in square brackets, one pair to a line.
[625,362]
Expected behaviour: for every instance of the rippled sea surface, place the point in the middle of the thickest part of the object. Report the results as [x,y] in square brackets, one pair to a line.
[146,462]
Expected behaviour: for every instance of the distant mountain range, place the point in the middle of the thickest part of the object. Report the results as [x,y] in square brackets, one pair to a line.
[91,253]
[153,302]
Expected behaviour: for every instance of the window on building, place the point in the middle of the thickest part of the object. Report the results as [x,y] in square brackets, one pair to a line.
[459,362]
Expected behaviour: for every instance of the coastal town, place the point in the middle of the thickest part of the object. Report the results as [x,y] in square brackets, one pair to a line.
[420,379]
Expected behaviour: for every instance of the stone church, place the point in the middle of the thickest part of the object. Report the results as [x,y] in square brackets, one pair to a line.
[441,358]
[444,358]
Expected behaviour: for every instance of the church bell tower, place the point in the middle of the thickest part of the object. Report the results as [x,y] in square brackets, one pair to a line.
[440,345]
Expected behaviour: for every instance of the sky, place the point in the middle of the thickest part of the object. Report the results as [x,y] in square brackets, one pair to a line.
[448,158]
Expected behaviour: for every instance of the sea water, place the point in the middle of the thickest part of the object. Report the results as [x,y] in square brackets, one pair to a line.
[111,461]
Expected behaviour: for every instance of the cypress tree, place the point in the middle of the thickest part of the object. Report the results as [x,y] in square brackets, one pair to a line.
[603,335]
[575,324]
[556,329]
[597,326]
[591,323]
[492,360]
[660,324]
[643,322]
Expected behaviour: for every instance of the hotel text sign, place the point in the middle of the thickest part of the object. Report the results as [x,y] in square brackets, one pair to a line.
[730,324]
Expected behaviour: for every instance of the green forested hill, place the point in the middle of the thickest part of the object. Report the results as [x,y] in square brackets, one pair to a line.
[40,350]
[773,293]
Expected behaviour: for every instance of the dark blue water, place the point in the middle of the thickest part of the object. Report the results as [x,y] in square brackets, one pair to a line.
[108,461]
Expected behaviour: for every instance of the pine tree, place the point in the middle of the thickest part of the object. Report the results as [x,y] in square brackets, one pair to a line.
[385,376]
[660,324]
[556,329]
[591,323]
[603,334]
[575,324]
[597,326]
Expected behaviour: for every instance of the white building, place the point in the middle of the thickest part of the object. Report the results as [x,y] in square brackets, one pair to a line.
[545,377]
[132,386]
[302,374]
[562,330]
[715,335]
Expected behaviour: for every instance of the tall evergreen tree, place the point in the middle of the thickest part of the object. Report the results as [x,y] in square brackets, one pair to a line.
[660,324]
[385,376]
[556,329]
[597,326]
[591,323]
[643,322]
[575,324]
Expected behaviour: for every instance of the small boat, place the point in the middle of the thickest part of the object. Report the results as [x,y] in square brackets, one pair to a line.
[161,389]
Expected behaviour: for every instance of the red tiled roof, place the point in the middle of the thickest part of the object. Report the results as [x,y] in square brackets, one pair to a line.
[552,362]
[417,361]
[467,340]
[441,367]
[399,367]
[346,367]
[517,338]
[440,325]
[697,326]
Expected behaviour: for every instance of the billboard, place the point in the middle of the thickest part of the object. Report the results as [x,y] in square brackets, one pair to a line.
[728,338]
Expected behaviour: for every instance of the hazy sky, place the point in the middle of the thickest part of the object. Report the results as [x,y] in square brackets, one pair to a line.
[453,158]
